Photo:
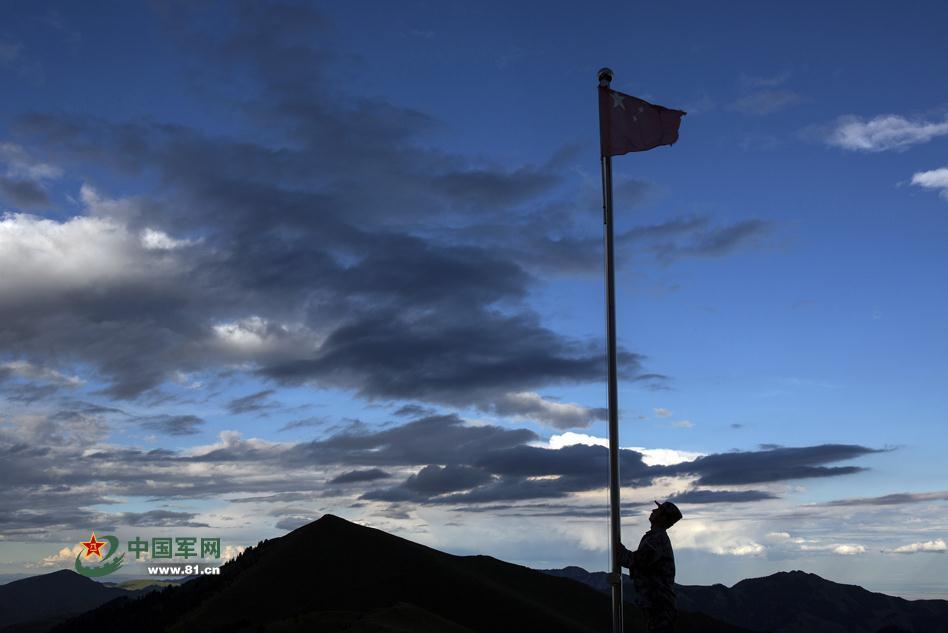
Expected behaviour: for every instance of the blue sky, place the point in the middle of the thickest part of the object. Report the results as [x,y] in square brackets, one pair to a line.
[251,248]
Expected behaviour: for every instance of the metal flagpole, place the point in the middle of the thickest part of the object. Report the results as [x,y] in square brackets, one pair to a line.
[615,576]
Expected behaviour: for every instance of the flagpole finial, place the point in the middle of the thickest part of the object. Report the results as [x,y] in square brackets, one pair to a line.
[605,77]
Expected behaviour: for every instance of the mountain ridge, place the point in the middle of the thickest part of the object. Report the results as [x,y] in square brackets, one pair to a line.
[773,603]
[333,575]
[27,599]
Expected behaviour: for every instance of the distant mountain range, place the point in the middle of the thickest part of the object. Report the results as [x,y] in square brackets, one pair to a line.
[795,602]
[50,598]
[333,575]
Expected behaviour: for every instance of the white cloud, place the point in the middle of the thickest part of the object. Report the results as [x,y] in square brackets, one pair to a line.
[935,546]
[742,549]
[843,549]
[849,550]
[778,536]
[662,412]
[665,456]
[569,438]
[42,257]
[934,179]
[131,211]
[683,424]
[65,555]
[651,456]
[249,334]
[258,338]
[233,441]
[185,380]
[884,132]
[724,538]
[156,240]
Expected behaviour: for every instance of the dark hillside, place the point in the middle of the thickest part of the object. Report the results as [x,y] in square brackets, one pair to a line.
[333,575]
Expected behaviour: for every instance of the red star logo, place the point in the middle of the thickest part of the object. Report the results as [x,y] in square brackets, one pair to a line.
[93,546]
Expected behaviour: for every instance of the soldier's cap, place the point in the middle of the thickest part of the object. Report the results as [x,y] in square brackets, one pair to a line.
[670,511]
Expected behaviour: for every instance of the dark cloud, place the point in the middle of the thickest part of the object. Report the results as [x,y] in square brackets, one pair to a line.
[303,423]
[35,524]
[435,480]
[47,471]
[404,287]
[172,424]
[660,233]
[494,188]
[578,460]
[510,489]
[526,472]
[558,509]
[292,522]
[773,464]
[700,239]
[396,494]
[572,249]
[253,402]
[28,393]
[280,497]
[696,495]
[24,194]
[83,408]
[353,476]
[440,439]
[900,498]
[721,240]
[328,261]
[477,356]
[158,518]
[383,266]
[413,411]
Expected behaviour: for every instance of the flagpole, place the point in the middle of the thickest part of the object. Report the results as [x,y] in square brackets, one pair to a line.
[615,575]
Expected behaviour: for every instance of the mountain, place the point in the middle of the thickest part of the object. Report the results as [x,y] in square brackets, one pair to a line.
[51,596]
[333,575]
[796,602]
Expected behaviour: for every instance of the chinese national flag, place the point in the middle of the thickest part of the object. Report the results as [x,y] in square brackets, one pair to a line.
[629,124]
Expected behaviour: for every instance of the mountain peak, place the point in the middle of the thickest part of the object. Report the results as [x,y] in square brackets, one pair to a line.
[327,521]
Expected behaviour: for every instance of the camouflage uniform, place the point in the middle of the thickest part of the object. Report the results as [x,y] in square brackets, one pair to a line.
[652,567]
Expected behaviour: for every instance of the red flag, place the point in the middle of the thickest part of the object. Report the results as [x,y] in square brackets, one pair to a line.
[629,124]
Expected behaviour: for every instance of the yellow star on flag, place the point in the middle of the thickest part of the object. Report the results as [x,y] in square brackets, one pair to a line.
[93,546]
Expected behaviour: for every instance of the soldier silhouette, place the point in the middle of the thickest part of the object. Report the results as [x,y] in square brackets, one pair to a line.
[652,567]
